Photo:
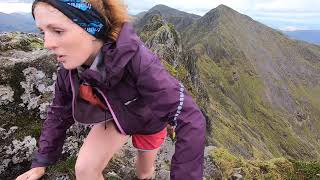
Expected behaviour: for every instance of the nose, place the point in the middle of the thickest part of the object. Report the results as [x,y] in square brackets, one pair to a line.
[49,42]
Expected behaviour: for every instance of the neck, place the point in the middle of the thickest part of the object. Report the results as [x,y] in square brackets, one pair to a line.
[97,47]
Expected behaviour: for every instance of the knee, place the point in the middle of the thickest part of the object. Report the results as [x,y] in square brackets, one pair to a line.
[146,173]
[87,171]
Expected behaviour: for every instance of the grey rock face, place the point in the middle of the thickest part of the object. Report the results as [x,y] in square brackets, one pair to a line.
[161,37]
[17,152]
[6,95]
[34,79]
[19,41]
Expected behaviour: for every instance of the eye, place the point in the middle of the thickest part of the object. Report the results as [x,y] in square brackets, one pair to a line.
[41,32]
[58,32]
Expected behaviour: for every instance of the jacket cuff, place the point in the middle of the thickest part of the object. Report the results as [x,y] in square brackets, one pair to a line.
[37,164]
[40,160]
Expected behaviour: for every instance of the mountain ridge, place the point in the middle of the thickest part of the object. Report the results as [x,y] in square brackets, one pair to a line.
[257,81]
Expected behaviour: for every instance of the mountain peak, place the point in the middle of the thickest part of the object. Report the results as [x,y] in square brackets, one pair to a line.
[224,10]
[224,7]
[222,13]
[162,8]
[178,18]
[168,11]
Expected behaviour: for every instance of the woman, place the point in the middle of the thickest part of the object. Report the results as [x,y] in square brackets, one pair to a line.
[110,80]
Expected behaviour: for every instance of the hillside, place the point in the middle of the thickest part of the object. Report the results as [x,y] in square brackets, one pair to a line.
[263,87]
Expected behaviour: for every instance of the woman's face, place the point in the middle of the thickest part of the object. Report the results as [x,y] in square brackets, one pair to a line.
[72,45]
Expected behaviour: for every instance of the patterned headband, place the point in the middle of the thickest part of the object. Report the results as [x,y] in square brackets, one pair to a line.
[82,13]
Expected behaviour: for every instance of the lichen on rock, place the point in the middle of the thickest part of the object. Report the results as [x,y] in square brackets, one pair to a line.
[34,81]
[6,95]
[17,152]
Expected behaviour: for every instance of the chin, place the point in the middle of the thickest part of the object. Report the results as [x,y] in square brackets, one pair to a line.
[68,67]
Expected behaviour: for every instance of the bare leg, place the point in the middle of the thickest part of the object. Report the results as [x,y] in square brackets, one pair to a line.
[97,150]
[145,163]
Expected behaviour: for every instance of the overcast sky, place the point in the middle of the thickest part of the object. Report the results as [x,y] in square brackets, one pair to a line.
[280,14]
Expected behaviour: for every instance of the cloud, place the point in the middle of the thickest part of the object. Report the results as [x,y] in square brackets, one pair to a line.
[15,7]
[288,6]
[293,28]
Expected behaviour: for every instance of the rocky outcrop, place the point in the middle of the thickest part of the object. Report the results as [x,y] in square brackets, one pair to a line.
[161,37]
[181,20]
[164,40]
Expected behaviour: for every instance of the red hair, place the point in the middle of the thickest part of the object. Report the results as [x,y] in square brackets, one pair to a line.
[115,14]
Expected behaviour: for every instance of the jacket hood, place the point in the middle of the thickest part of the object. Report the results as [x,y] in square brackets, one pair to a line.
[116,56]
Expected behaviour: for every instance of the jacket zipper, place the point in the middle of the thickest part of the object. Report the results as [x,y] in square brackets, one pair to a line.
[112,113]
[73,95]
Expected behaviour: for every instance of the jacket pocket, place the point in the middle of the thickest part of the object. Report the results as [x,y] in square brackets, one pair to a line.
[139,109]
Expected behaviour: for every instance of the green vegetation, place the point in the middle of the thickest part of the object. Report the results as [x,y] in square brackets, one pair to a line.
[306,170]
[20,41]
[276,168]
[65,166]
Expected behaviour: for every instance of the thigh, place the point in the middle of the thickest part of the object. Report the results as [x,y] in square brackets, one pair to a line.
[100,145]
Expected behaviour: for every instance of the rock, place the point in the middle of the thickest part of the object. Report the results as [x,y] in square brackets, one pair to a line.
[112,175]
[4,135]
[237,174]
[210,167]
[17,152]
[33,78]
[163,174]
[162,38]
[301,116]
[63,177]
[20,41]
[6,95]
[43,110]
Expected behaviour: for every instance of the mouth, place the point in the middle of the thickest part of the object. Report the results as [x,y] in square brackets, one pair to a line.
[61,58]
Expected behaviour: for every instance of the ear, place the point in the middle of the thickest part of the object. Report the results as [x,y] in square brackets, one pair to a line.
[96,40]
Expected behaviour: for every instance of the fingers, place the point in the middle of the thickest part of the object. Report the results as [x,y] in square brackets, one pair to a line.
[23,176]
[32,174]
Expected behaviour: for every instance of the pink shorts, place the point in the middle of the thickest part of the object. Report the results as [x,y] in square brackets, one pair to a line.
[149,142]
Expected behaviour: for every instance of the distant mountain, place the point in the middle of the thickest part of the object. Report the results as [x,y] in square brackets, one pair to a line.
[179,19]
[263,87]
[311,36]
[258,88]
[17,22]
[140,15]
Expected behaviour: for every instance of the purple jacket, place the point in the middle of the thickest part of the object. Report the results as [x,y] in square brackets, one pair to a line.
[142,98]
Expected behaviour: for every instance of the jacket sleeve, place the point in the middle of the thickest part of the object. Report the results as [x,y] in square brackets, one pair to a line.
[168,98]
[59,119]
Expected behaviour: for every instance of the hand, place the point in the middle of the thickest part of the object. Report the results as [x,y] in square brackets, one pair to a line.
[171,132]
[32,174]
